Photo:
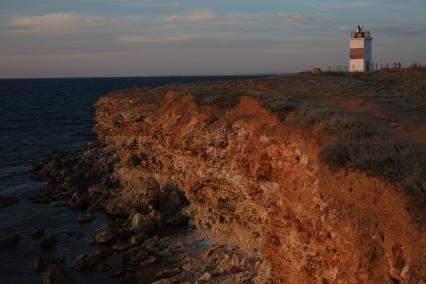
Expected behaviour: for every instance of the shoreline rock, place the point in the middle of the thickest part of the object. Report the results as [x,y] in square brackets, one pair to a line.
[38,232]
[134,243]
[7,201]
[56,275]
[9,239]
[47,242]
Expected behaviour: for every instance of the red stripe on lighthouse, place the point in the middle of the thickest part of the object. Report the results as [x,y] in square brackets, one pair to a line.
[357,53]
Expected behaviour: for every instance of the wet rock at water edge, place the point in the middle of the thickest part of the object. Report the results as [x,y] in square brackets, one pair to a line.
[37,232]
[6,201]
[85,218]
[40,264]
[9,239]
[56,275]
[105,235]
[87,262]
[79,200]
[49,241]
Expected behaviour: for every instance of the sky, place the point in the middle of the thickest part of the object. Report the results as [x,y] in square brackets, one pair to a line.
[87,38]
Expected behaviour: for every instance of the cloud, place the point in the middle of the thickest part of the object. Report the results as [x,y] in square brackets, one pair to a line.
[240,18]
[295,18]
[138,39]
[337,6]
[55,23]
[200,15]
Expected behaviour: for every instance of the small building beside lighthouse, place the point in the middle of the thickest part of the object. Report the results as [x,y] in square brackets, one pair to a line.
[360,51]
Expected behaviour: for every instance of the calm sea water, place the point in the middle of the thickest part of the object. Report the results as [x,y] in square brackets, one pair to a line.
[36,118]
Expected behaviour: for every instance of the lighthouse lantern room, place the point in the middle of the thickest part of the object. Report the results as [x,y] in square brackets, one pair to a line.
[361,51]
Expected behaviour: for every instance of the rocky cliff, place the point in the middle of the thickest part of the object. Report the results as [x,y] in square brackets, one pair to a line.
[255,179]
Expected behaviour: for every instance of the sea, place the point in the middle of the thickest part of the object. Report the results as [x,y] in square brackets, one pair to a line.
[37,117]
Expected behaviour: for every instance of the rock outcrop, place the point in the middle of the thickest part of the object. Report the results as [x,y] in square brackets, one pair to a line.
[251,179]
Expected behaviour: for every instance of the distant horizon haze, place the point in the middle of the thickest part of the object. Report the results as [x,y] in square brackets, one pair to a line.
[133,38]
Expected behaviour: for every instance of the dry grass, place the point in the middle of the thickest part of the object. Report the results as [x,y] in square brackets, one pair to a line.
[360,145]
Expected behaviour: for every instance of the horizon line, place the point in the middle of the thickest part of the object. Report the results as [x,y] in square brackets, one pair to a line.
[150,76]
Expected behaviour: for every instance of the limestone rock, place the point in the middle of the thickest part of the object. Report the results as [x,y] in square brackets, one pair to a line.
[85,218]
[37,232]
[6,201]
[105,235]
[167,273]
[162,281]
[9,239]
[149,261]
[206,277]
[47,242]
[56,275]
[138,239]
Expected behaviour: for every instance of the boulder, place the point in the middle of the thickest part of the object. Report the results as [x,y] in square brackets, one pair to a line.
[49,241]
[149,261]
[37,232]
[79,200]
[166,273]
[223,265]
[138,239]
[6,201]
[120,246]
[9,239]
[39,264]
[162,281]
[105,235]
[85,218]
[138,222]
[143,224]
[86,262]
[56,275]
[141,256]
[206,277]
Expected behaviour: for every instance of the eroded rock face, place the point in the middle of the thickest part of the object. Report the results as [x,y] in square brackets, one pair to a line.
[56,275]
[255,181]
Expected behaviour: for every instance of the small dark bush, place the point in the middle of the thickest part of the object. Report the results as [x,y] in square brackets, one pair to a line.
[309,114]
[211,96]
[374,155]
[279,104]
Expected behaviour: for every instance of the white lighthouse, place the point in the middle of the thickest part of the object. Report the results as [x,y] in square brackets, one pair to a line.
[361,51]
